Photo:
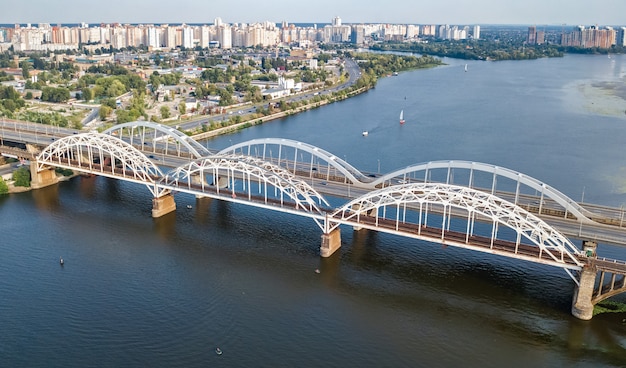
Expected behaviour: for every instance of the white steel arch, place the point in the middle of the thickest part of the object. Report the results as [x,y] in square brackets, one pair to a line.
[350,172]
[249,171]
[80,151]
[567,203]
[473,203]
[143,132]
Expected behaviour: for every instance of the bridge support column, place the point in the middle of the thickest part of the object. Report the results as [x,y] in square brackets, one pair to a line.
[222,183]
[43,178]
[369,213]
[582,307]
[163,205]
[330,243]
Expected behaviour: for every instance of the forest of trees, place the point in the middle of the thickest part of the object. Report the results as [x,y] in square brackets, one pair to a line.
[470,50]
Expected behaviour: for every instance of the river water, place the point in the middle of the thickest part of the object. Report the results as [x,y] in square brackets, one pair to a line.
[137,291]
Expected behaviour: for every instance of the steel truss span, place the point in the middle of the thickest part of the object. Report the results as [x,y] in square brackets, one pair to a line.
[424,172]
[102,154]
[234,174]
[157,136]
[288,154]
[412,204]
[285,153]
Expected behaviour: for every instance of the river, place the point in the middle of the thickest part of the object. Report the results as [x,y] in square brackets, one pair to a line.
[137,291]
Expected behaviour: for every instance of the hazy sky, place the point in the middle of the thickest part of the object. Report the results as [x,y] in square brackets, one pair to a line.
[546,12]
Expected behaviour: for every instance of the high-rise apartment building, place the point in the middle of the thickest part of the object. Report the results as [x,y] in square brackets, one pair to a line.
[531,38]
[476,32]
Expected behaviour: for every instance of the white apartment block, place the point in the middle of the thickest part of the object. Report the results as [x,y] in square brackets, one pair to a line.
[266,34]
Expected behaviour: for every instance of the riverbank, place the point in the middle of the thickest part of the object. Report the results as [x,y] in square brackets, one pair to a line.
[18,189]
[372,67]
[279,115]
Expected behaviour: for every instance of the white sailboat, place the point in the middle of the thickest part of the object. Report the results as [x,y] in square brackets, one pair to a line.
[402,117]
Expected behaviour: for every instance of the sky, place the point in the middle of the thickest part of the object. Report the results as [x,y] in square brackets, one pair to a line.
[454,12]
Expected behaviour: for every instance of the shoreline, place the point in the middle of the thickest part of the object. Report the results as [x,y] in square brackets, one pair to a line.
[279,115]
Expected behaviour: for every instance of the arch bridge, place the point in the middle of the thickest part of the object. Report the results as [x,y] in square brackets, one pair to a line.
[443,213]
[310,162]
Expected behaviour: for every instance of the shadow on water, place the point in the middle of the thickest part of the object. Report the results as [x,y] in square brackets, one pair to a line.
[47,198]
[597,340]
[165,225]
[87,187]
[450,283]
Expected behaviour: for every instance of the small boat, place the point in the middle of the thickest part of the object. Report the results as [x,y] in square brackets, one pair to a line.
[189,206]
[61,262]
[465,67]
[317,270]
[218,351]
[402,117]
[365,133]
[395,74]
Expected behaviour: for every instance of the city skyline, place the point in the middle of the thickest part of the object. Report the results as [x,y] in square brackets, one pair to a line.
[547,12]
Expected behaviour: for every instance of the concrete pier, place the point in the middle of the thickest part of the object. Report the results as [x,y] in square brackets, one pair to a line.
[43,178]
[330,243]
[163,205]
[582,307]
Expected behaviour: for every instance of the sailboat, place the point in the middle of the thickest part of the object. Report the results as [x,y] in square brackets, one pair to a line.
[402,117]
[465,67]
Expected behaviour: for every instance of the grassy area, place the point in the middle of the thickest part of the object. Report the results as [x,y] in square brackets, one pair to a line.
[608,306]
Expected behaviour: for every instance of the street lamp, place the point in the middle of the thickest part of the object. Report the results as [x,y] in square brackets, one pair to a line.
[582,199]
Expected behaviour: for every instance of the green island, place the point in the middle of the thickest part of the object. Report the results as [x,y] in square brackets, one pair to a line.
[490,49]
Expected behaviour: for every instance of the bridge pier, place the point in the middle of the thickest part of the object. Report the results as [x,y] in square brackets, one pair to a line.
[369,213]
[582,307]
[330,243]
[43,178]
[222,182]
[163,205]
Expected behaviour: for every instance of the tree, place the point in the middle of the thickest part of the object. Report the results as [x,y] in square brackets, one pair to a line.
[182,108]
[87,94]
[104,112]
[165,112]
[51,94]
[21,177]
[4,188]
[25,69]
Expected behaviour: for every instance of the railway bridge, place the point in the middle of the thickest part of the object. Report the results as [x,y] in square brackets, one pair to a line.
[300,179]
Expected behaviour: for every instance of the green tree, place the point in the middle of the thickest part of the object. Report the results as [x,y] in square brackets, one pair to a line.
[226,96]
[165,112]
[21,177]
[51,94]
[123,116]
[25,69]
[182,108]
[87,94]
[104,112]
[115,88]
[4,188]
